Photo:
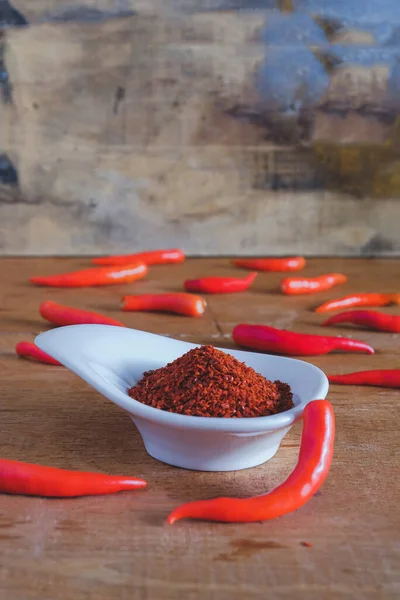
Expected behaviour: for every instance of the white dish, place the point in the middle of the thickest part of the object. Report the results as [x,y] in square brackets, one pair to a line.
[113,359]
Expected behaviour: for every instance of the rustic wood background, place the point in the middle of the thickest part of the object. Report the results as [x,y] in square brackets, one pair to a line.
[143,123]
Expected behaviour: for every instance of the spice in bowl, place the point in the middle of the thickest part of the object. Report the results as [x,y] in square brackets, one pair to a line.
[206,382]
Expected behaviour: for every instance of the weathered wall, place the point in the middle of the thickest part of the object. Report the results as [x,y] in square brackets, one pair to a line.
[138,124]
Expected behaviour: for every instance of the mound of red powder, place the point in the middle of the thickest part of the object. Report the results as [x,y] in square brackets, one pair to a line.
[206,382]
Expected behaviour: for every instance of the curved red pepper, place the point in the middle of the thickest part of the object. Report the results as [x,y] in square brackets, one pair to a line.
[220,285]
[95,277]
[65,315]
[180,303]
[279,341]
[315,458]
[150,257]
[34,480]
[364,299]
[389,378]
[292,263]
[30,350]
[310,285]
[368,318]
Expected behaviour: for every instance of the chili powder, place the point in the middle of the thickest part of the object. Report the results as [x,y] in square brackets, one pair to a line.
[206,382]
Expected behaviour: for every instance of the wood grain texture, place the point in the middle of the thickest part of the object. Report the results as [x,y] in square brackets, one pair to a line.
[120,546]
[203,130]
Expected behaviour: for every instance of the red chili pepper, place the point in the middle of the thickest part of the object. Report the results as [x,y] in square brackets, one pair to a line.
[151,257]
[279,341]
[94,277]
[368,318]
[181,304]
[35,480]
[30,350]
[315,458]
[292,263]
[220,285]
[359,300]
[309,285]
[65,315]
[389,378]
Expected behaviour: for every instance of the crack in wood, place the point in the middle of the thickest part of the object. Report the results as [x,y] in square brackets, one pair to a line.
[119,96]
[85,14]
[5,85]
[215,321]
[9,16]
[8,176]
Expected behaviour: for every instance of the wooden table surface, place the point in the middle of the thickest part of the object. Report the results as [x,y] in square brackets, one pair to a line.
[120,546]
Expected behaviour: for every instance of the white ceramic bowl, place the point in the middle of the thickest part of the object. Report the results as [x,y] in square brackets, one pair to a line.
[113,359]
